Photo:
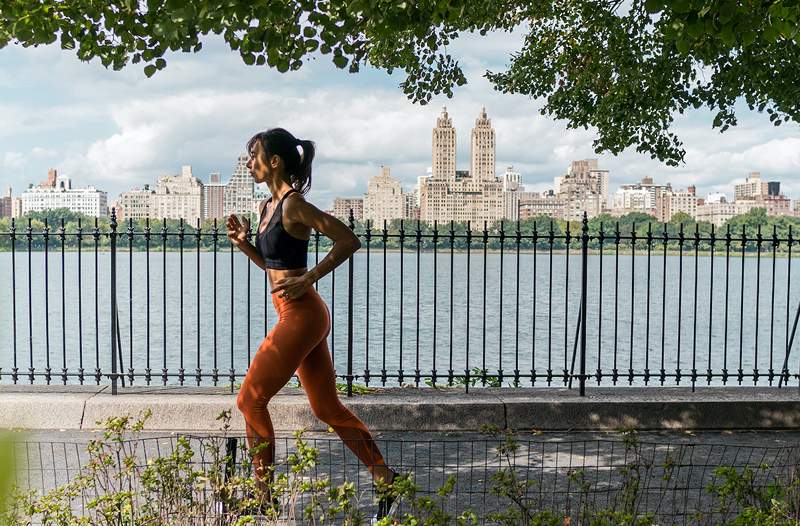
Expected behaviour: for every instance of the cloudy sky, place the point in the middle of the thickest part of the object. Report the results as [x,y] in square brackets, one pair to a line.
[118,130]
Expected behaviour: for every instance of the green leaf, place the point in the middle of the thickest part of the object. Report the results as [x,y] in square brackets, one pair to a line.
[249,59]
[309,32]
[340,61]
[150,70]
[161,63]
[654,6]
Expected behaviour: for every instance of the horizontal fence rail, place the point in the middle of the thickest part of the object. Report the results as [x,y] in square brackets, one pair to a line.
[673,482]
[530,303]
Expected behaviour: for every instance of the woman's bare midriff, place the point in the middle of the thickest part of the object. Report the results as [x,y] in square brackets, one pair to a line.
[276,274]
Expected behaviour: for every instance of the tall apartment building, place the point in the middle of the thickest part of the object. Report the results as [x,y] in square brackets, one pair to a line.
[384,199]
[511,191]
[239,192]
[754,187]
[135,204]
[673,202]
[214,197]
[343,205]
[639,197]
[482,149]
[444,148]
[89,201]
[585,188]
[178,196]
[7,204]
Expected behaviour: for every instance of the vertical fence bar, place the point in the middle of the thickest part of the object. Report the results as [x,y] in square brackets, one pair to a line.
[62,238]
[384,241]
[198,371]
[615,370]
[740,376]
[130,301]
[418,239]
[647,307]
[551,239]
[772,306]
[46,236]
[517,239]
[727,286]
[664,240]
[368,237]
[633,301]
[681,239]
[452,269]
[709,371]
[600,240]
[15,369]
[231,370]
[215,237]
[80,306]
[164,301]
[148,369]
[759,240]
[467,303]
[500,306]
[181,234]
[113,241]
[694,304]
[485,237]
[29,236]
[435,297]
[535,242]
[567,240]
[351,224]
[402,273]
[584,294]
[96,235]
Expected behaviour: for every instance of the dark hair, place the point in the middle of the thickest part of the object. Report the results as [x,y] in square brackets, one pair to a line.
[277,141]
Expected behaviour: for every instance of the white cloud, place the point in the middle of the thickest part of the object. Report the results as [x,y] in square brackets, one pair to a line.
[13,160]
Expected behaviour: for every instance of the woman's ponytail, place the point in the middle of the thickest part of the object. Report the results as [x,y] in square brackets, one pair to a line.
[302,175]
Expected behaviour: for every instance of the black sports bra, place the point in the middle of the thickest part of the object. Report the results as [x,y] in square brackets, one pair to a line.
[280,249]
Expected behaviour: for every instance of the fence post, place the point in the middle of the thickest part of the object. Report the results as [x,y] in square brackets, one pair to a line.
[584,276]
[351,221]
[114,328]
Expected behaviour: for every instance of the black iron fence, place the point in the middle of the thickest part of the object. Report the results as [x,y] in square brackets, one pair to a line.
[527,304]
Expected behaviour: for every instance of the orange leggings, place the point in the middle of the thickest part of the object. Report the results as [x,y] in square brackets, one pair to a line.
[298,342]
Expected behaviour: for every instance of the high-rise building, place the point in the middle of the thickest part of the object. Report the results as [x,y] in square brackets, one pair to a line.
[88,201]
[213,197]
[178,196]
[7,204]
[639,197]
[585,189]
[511,192]
[482,151]
[135,204]
[753,186]
[50,182]
[675,201]
[444,148]
[343,205]
[239,192]
[384,198]
[534,204]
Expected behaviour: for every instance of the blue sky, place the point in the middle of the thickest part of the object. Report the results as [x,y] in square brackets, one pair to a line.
[118,129]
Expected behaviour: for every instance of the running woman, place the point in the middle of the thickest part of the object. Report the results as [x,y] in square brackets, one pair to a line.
[298,341]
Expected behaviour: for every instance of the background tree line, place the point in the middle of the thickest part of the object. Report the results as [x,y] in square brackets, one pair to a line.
[159,234]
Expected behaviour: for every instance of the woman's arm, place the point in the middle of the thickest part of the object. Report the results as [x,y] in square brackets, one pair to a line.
[237,233]
[345,242]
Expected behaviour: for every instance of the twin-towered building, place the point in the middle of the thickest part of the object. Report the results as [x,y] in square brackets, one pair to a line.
[445,193]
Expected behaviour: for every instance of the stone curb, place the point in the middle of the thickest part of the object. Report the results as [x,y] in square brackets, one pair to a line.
[425,409]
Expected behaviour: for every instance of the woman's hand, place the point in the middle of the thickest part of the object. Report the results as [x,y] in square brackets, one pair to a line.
[237,230]
[292,286]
